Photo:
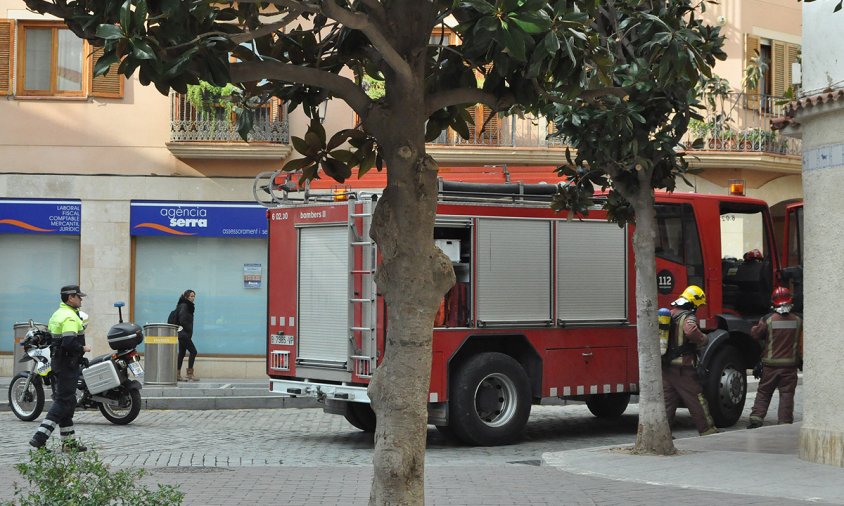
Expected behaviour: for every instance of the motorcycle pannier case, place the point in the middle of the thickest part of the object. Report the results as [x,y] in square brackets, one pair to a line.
[101,377]
[124,336]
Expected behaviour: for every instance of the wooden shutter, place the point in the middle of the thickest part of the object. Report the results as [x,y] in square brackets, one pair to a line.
[792,52]
[109,85]
[778,82]
[752,48]
[7,46]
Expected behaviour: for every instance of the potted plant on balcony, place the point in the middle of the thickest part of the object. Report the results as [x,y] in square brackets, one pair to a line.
[213,101]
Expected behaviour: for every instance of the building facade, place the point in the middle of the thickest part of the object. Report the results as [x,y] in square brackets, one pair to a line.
[112,185]
[817,117]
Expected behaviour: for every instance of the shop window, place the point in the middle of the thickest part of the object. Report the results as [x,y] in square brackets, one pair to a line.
[46,59]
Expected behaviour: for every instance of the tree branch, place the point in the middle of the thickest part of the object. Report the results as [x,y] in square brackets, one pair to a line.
[266,29]
[334,84]
[363,23]
[460,96]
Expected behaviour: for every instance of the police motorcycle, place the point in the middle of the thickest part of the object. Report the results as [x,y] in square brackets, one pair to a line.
[105,382]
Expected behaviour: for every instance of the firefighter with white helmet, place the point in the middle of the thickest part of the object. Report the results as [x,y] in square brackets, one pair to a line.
[780,334]
[680,381]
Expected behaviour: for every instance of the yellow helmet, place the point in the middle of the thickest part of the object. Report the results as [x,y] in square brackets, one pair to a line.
[693,294]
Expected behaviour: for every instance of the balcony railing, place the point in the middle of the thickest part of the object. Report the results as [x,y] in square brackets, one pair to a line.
[739,122]
[190,124]
[736,123]
[508,131]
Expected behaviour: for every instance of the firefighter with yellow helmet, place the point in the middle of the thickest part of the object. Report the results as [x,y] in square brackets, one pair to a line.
[680,382]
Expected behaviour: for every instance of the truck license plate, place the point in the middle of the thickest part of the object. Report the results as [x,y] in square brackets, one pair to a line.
[136,369]
[281,339]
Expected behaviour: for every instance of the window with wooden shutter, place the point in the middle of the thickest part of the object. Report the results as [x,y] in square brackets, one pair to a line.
[7,46]
[50,61]
[109,85]
[778,84]
[752,49]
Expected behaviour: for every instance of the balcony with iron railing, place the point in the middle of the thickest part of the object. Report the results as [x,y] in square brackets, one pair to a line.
[517,140]
[737,122]
[735,132]
[210,131]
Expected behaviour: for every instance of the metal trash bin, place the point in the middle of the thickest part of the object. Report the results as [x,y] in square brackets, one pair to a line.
[161,348]
[20,330]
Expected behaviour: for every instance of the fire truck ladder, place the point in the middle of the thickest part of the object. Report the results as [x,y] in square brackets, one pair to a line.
[362,275]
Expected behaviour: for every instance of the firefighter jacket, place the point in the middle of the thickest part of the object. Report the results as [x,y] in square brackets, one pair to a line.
[67,330]
[781,334]
[685,335]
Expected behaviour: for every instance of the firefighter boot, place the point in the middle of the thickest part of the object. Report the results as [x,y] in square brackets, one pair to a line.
[191,377]
[72,445]
[755,422]
[39,440]
[711,430]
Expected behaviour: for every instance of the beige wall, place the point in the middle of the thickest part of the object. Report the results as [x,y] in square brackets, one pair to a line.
[775,19]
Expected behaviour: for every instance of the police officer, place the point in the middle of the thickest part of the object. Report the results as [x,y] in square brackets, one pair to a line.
[679,376]
[68,334]
[781,356]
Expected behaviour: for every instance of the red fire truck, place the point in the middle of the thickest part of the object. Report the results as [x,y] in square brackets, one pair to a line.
[544,307]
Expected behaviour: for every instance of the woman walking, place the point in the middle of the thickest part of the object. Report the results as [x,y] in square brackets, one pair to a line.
[184,317]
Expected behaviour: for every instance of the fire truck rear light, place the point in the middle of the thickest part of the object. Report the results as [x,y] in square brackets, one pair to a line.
[363,366]
[280,361]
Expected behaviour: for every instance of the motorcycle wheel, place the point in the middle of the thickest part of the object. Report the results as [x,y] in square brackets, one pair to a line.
[126,411]
[26,403]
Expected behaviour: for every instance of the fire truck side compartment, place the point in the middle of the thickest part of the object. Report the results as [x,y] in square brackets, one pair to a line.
[323,308]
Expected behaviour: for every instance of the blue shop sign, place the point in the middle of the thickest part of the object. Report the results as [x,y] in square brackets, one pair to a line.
[50,217]
[198,219]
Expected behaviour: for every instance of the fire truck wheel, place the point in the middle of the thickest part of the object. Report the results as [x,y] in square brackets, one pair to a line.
[726,387]
[490,400]
[608,405]
[361,416]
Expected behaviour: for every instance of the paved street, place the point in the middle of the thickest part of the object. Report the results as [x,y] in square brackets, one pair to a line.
[303,456]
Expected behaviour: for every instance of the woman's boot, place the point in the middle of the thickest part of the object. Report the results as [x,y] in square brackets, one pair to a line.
[179,376]
[191,377]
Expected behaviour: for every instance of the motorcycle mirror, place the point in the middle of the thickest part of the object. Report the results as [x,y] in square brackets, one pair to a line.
[119,304]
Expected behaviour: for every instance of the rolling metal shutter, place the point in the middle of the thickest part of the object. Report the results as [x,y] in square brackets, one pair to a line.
[514,270]
[591,271]
[323,287]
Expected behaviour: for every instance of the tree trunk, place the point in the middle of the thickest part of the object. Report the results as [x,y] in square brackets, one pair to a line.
[653,435]
[413,276]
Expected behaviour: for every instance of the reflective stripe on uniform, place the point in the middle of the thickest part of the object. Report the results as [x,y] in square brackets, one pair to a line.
[784,324]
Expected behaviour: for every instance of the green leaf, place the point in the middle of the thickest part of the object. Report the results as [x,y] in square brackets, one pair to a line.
[142,51]
[336,169]
[301,146]
[126,16]
[532,22]
[367,163]
[481,6]
[510,38]
[109,32]
[104,62]
[244,123]
[141,12]
[344,155]
[317,128]
[297,164]
[314,141]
